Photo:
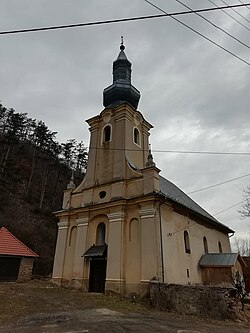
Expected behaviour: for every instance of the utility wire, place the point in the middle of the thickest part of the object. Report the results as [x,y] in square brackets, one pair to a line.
[218,184]
[214,25]
[198,33]
[224,210]
[187,227]
[193,224]
[178,151]
[244,4]
[201,189]
[137,18]
[211,186]
[224,11]
[236,12]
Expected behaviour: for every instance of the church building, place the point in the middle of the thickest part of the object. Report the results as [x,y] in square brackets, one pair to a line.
[125,224]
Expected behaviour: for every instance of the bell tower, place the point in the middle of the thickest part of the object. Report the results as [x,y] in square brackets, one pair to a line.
[117,195]
[119,134]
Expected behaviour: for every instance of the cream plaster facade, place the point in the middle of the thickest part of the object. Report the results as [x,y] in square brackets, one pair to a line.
[143,226]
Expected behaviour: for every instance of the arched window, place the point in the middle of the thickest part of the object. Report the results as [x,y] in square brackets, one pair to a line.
[133,230]
[100,234]
[220,247]
[107,134]
[187,242]
[72,236]
[205,244]
[136,136]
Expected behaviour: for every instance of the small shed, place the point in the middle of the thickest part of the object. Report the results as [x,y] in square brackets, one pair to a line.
[246,273]
[220,268]
[16,259]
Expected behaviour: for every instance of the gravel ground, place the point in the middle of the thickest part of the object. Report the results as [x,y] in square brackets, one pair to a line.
[39,307]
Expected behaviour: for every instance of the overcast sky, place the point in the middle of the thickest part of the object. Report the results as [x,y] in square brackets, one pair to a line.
[194,94]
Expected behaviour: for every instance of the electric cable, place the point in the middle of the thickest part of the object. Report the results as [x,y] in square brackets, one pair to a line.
[226,209]
[201,189]
[136,18]
[244,4]
[177,151]
[218,184]
[198,33]
[236,12]
[214,25]
[224,11]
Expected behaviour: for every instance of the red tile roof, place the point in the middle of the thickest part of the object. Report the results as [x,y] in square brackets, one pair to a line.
[10,245]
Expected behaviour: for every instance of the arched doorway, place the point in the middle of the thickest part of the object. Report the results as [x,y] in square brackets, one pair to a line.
[98,261]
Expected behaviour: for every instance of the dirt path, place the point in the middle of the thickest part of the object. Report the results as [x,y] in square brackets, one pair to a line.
[42,308]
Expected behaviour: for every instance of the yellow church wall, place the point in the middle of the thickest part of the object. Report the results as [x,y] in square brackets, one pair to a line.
[134,187]
[185,268]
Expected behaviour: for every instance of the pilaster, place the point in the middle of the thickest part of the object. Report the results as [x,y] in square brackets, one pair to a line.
[57,274]
[81,236]
[115,275]
[148,246]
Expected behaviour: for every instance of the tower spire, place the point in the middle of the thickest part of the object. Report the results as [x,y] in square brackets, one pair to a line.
[122,89]
[150,161]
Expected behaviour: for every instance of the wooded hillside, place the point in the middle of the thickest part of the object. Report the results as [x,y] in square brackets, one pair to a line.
[34,171]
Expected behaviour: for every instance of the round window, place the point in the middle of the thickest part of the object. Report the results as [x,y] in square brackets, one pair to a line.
[102,194]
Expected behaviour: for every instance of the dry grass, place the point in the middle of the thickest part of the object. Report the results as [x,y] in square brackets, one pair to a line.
[21,299]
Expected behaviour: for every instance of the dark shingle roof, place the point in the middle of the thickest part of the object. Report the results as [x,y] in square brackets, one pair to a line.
[96,251]
[172,192]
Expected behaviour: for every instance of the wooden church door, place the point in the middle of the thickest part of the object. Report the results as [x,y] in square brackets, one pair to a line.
[97,275]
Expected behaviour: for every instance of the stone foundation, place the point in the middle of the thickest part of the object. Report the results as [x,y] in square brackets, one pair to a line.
[204,301]
[77,284]
[25,269]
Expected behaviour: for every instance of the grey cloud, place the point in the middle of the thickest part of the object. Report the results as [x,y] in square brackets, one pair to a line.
[195,95]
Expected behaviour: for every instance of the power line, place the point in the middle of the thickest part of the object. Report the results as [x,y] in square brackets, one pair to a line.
[182,229]
[224,210]
[244,4]
[137,18]
[218,184]
[243,25]
[178,151]
[201,152]
[211,186]
[214,25]
[200,34]
[236,12]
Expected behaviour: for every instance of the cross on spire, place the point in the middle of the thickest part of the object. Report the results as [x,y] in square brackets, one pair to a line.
[122,47]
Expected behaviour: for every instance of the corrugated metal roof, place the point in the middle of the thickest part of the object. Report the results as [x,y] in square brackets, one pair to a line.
[10,245]
[96,251]
[173,192]
[218,259]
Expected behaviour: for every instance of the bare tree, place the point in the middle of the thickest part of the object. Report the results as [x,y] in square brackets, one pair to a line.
[245,210]
[241,245]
